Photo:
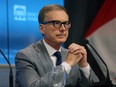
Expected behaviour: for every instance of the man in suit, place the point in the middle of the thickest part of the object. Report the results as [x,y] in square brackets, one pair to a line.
[36,61]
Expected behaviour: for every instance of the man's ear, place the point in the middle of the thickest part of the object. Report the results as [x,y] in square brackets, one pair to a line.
[42,29]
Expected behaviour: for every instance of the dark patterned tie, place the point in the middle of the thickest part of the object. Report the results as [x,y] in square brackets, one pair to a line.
[59,58]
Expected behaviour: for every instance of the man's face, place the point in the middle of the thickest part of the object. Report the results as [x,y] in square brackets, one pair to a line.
[52,34]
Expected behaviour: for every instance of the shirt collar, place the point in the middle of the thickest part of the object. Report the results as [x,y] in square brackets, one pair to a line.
[50,49]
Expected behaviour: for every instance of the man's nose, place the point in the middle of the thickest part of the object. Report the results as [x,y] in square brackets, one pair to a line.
[62,27]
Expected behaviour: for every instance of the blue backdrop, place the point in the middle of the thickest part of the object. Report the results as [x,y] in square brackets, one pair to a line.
[19,25]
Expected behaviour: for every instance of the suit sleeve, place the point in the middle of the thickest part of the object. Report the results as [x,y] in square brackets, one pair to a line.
[27,74]
[83,81]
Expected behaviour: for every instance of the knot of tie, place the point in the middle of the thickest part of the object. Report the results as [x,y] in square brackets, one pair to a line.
[59,58]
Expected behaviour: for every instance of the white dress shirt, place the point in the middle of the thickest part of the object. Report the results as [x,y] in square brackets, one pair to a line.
[51,51]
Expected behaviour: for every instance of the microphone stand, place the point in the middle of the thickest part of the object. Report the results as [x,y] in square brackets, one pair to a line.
[10,74]
[106,83]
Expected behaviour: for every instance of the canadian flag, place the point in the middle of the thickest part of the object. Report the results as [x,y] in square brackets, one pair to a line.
[102,35]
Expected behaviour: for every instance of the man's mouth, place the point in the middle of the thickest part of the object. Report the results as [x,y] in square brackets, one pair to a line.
[61,35]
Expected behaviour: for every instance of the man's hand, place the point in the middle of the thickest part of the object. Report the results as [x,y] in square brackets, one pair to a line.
[73,59]
[77,55]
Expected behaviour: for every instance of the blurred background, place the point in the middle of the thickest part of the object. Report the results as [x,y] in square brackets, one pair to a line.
[94,20]
[19,24]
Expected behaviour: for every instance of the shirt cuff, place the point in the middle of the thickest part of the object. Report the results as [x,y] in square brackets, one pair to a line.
[86,70]
[67,67]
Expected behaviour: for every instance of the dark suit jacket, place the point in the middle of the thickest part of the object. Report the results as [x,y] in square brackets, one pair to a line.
[33,62]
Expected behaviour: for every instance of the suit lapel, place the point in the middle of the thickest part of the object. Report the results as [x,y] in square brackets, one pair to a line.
[44,56]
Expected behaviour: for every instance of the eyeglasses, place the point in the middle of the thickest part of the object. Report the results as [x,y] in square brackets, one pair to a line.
[58,24]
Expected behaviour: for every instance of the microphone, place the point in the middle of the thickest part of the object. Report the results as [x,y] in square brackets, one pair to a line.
[10,74]
[108,82]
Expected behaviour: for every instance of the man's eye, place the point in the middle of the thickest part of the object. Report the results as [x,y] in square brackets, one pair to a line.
[57,22]
[66,22]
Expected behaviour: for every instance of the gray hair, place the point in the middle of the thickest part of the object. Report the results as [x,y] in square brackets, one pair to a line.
[48,8]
